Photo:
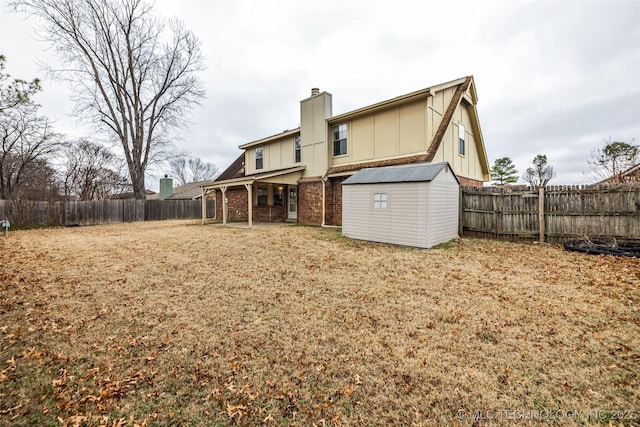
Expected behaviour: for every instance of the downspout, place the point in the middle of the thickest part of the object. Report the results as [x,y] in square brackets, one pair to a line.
[324,182]
[324,196]
[324,192]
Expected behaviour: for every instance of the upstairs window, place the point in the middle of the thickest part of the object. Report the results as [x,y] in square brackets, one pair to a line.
[461,136]
[380,201]
[340,140]
[297,150]
[259,157]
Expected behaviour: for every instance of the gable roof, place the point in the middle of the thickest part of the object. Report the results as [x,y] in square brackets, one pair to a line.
[271,138]
[399,100]
[235,169]
[283,176]
[423,172]
[446,119]
[465,92]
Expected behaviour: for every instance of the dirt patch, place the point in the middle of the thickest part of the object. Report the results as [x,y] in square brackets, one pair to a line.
[173,323]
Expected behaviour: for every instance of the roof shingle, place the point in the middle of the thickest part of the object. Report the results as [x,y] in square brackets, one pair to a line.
[405,173]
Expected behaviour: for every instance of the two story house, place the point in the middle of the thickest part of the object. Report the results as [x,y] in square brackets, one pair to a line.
[296,175]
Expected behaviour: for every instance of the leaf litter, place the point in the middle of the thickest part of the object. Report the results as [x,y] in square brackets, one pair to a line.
[176,323]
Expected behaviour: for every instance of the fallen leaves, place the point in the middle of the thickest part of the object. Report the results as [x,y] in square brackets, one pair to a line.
[129,326]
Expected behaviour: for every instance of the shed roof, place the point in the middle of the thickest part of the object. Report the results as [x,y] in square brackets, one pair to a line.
[420,172]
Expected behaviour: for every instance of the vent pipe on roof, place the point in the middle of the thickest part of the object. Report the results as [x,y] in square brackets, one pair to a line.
[315,91]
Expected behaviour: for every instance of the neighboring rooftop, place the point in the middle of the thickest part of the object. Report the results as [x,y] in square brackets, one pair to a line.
[188,191]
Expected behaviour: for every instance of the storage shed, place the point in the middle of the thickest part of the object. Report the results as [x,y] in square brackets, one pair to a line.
[410,205]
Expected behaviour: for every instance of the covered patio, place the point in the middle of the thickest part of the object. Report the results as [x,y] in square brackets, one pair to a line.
[273,194]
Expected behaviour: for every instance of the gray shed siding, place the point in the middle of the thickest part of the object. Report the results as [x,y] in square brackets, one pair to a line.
[419,214]
[443,212]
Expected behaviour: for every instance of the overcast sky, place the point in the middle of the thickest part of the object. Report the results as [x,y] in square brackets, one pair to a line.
[554,78]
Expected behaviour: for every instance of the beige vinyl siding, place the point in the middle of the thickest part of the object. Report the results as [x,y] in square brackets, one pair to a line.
[395,132]
[277,154]
[436,106]
[315,147]
[469,165]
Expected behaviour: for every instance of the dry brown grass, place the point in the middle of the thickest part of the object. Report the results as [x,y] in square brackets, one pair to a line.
[173,323]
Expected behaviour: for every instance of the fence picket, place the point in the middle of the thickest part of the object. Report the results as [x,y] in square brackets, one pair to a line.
[569,212]
[27,213]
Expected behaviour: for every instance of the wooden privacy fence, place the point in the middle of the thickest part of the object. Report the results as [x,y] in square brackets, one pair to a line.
[27,213]
[553,214]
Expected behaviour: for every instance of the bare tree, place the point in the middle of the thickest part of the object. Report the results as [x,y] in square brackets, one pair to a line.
[179,171]
[25,138]
[42,182]
[92,171]
[192,170]
[137,75]
[540,174]
[615,157]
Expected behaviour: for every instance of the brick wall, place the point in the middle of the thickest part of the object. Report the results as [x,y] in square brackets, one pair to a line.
[310,202]
[275,213]
[238,198]
[468,182]
[333,190]
[238,211]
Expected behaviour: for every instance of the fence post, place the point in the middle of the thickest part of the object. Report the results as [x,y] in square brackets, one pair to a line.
[461,213]
[541,213]
[496,215]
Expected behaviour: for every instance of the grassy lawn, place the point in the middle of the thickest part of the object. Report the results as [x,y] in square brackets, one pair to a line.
[173,323]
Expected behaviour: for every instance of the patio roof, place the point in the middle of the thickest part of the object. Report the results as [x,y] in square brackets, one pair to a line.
[281,176]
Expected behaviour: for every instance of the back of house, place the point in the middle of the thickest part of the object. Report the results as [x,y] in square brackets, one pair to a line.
[297,175]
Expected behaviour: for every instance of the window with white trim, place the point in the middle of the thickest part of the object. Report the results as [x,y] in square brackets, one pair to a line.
[340,139]
[297,156]
[259,157]
[461,136]
[380,200]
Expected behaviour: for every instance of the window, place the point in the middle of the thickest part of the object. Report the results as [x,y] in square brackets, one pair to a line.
[380,201]
[259,157]
[297,149]
[262,191]
[278,195]
[461,136]
[340,140]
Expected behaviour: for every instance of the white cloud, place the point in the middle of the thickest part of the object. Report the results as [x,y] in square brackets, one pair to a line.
[553,78]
